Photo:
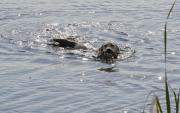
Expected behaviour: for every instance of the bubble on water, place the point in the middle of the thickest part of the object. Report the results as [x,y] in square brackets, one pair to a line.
[53,24]
[20,43]
[37,40]
[142,41]
[62,56]
[151,33]
[85,59]
[19,14]
[43,45]
[81,80]
[173,53]
[113,65]
[92,12]
[83,74]
[82,77]
[144,77]
[14,32]
[105,30]
[160,77]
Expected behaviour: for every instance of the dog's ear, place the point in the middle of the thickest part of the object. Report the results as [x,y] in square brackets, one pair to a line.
[101,48]
[117,48]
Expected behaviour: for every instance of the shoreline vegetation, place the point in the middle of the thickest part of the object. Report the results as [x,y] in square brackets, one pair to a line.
[169,107]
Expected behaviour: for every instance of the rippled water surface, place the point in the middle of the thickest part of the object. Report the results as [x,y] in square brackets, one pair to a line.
[35,78]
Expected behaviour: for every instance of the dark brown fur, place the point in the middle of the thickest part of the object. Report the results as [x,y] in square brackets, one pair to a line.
[108,52]
[68,44]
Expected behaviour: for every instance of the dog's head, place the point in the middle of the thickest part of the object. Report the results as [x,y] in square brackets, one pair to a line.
[108,52]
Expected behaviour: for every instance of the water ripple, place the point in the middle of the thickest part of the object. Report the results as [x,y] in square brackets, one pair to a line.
[36,78]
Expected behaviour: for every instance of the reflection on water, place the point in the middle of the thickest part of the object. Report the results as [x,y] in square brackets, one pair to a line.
[109,69]
[37,78]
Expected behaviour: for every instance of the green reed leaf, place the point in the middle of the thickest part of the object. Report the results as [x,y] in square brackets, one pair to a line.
[158,105]
[171,9]
[168,103]
[177,102]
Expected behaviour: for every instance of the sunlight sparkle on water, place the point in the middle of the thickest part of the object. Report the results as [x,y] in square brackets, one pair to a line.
[173,53]
[20,43]
[19,14]
[82,78]
[54,24]
[151,33]
[160,77]
[92,12]
[85,59]
[62,56]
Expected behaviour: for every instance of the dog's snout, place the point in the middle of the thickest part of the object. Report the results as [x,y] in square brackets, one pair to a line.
[108,50]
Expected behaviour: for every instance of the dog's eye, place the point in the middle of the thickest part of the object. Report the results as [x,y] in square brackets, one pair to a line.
[112,45]
[101,49]
[105,46]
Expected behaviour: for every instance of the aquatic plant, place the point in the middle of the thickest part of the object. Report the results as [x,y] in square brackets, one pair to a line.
[167,86]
